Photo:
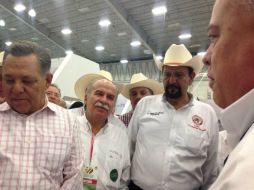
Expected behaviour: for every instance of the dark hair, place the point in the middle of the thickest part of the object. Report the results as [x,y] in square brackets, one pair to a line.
[54,85]
[23,48]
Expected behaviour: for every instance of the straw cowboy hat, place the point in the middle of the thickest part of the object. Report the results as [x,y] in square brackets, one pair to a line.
[140,80]
[83,81]
[178,55]
[1,58]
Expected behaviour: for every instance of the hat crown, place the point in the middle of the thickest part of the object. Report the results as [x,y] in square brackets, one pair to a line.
[177,54]
[137,78]
[105,74]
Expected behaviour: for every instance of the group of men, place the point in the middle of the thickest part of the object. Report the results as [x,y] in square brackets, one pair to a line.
[172,139]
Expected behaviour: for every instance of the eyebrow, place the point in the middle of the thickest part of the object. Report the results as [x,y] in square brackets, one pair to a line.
[212,27]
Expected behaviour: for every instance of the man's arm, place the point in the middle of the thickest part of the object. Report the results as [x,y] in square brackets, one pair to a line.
[72,167]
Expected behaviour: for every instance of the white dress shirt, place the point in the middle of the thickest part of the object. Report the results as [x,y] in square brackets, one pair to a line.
[238,172]
[40,151]
[173,149]
[110,152]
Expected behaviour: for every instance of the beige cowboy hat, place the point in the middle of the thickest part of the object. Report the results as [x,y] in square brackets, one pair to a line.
[178,55]
[1,58]
[83,81]
[140,80]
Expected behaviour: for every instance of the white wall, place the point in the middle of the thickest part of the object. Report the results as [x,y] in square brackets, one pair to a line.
[69,69]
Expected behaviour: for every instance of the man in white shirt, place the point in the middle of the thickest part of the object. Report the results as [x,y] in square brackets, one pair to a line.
[140,86]
[105,141]
[230,69]
[40,142]
[174,137]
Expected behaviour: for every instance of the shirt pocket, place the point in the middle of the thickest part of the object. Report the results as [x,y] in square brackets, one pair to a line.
[113,169]
[190,142]
[51,154]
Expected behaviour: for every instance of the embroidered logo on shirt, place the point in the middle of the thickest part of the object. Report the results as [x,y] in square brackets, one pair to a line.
[155,113]
[197,123]
[113,175]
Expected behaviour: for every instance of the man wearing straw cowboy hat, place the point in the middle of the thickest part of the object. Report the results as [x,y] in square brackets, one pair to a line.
[105,140]
[139,87]
[174,137]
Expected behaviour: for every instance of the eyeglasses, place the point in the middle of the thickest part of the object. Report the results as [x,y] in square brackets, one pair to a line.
[176,74]
[53,94]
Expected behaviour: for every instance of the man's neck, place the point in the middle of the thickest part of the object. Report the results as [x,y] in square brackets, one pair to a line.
[180,102]
[96,123]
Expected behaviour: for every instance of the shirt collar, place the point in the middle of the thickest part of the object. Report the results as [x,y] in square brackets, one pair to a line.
[5,107]
[190,103]
[239,116]
[89,126]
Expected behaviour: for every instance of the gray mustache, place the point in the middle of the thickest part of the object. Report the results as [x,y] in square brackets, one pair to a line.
[104,106]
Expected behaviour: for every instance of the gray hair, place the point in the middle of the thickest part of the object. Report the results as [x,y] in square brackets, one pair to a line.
[90,87]
[24,48]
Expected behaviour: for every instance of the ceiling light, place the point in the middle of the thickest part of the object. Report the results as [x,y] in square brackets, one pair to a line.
[8,43]
[124,61]
[121,33]
[99,48]
[104,23]
[19,7]
[68,52]
[202,53]
[32,13]
[147,51]
[159,10]
[83,10]
[2,23]
[184,36]
[66,31]
[194,45]
[135,43]
[84,40]
[159,57]
[12,29]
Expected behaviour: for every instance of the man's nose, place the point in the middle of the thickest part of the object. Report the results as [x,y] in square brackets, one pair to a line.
[18,87]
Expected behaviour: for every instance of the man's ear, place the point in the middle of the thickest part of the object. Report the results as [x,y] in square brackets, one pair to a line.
[192,76]
[48,79]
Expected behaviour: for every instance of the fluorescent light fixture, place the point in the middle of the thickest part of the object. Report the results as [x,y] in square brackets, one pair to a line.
[99,48]
[104,23]
[66,31]
[84,40]
[8,43]
[184,36]
[32,13]
[2,23]
[159,57]
[12,29]
[68,52]
[19,7]
[147,51]
[121,33]
[202,53]
[123,61]
[159,10]
[135,43]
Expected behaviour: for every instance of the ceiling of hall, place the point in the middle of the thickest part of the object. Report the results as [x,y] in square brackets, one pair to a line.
[130,20]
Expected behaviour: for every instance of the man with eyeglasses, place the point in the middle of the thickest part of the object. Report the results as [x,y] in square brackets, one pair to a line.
[54,95]
[174,137]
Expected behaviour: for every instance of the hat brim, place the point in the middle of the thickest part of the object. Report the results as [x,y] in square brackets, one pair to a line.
[82,83]
[155,86]
[195,63]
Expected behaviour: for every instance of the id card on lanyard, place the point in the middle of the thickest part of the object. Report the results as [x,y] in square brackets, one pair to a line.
[90,171]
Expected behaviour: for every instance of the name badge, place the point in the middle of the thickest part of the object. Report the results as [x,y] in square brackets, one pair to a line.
[89,177]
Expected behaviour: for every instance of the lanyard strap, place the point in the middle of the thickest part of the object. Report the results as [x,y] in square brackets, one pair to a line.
[91,148]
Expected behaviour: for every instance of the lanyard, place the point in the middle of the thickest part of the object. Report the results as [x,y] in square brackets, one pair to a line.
[91,148]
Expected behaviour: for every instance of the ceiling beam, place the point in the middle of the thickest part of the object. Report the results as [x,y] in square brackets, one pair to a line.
[127,19]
